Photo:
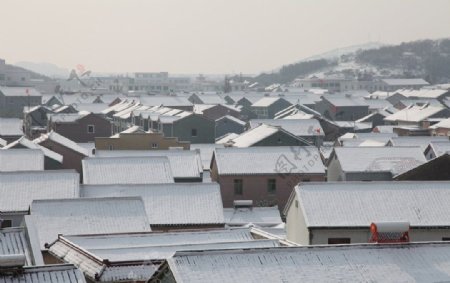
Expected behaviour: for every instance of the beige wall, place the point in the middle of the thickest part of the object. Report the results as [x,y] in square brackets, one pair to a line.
[139,141]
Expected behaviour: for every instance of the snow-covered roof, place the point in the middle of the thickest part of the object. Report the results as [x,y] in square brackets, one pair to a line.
[126,170]
[421,141]
[395,160]
[210,98]
[349,204]
[265,101]
[225,138]
[10,127]
[19,189]
[126,252]
[57,138]
[19,91]
[234,119]
[297,127]
[13,241]
[439,147]
[259,216]
[206,152]
[21,160]
[66,117]
[87,216]
[415,262]
[442,124]
[170,204]
[405,82]
[96,108]
[152,100]
[254,135]
[359,139]
[415,113]
[269,160]
[55,273]
[345,101]
[184,163]
[423,93]
[26,143]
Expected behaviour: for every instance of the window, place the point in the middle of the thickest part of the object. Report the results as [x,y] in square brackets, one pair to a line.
[238,187]
[5,223]
[154,145]
[337,241]
[306,180]
[111,147]
[446,239]
[91,129]
[194,132]
[271,186]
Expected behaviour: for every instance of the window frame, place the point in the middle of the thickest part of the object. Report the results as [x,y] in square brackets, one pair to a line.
[93,129]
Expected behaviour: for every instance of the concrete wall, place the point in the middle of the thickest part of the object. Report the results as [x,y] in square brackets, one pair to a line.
[296,229]
[225,126]
[78,131]
[12,106]
[182,129]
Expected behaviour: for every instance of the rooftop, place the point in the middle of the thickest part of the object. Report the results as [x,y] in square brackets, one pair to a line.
[87,216]
[269,160]
[170,204]
[57,138]
[126,170]
[19,91]
[21,160]
[10,127]
[297,127]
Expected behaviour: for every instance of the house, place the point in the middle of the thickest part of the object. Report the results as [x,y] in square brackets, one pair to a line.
[371,163]
[415,115]
[206,152]
[21,160]
[338,213]
[214,112]
[395,84]
[229,124]
[58,273]
[193,128]
[171,206]
[436,169]
[436,149]
[305,129]
[267,107]
[342,108]
[126,170]
[206,98]
[80,127]
[364,139]
[415,262]
[11,129]
[52,160]
[186,165]
[35,120]
[265,175]
[139,141]
[72,153]
[267,135]
[134,257]
[421,141]
[441,128]
[401,96]
[76,216]
[19,189]
[244,214]
[14,99]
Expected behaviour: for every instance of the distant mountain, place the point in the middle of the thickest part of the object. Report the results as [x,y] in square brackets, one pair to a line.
[47,69]
[428,59]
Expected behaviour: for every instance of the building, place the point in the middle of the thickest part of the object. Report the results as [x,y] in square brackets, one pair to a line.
[267,135]
[418,116]
[306,129]
[14,99]
[229,124]
[267,107]
[58,273]
[171,206]
[80,127]
[395,84]
[21,160]
[342,213]
[77,216]
[441,128]
[11,129]
[342,108]
[436,169]
[15,241]
[371,163]
[19,189]
[216,111]
[436,149]
[418,262]
[126,170]
[35,120]
[244,214]
[265,175]
[186,165]
[71,152]
[193,128]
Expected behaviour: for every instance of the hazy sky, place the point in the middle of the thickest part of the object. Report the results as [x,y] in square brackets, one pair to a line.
[205,36]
